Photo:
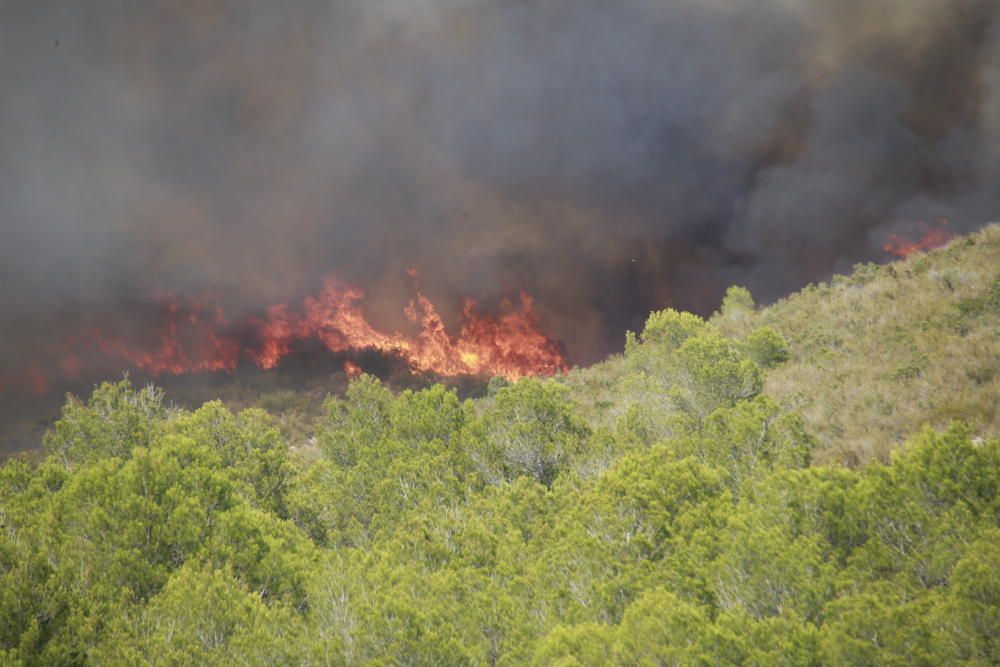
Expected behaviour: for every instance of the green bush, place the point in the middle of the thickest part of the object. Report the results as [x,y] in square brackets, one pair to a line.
[659,508]
[767,348]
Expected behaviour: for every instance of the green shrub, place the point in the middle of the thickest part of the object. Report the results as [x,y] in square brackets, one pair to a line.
[767,348]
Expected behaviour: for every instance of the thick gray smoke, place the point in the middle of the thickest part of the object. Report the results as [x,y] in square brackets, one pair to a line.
[608,157]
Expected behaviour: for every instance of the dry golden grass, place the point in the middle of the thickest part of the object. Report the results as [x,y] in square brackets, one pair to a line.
[878,354]
[874,355]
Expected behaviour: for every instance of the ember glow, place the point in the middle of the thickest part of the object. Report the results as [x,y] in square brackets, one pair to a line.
[930,237]
[194,336]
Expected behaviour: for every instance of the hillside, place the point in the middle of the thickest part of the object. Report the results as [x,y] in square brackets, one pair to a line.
[685,502]
[894,348]
[873,357]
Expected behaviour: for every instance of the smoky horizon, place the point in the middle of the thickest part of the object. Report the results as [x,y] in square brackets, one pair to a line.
[607,159]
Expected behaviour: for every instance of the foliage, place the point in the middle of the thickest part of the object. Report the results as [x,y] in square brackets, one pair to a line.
[767,348]
[530,428]
[670,328]
[657,509]
[874,358]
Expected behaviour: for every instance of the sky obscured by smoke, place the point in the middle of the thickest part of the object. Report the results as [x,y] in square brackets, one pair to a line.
[607,157]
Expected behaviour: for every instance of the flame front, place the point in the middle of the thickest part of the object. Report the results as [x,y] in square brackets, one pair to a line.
[509,344]
[195,337]
[191,340]
[901,246]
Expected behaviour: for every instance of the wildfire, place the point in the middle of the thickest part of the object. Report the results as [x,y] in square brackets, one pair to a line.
[351,369]
[195,337]
[899,245]
[190,340]
[508,344]
[30,379]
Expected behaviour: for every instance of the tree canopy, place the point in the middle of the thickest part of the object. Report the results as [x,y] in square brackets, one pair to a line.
[671,514]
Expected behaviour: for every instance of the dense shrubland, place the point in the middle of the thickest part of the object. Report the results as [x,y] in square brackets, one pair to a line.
[666,507]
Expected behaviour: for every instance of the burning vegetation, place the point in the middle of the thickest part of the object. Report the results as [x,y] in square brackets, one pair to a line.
[900,244]
[194,336]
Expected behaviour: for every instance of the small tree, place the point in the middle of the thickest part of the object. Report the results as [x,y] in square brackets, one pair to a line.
[532,429]
[737,302]
[114,421]
[714,373]
[767,348]
[736,312]
[671,328]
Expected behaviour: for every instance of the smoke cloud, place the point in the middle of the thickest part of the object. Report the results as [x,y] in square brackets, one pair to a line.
[607,157]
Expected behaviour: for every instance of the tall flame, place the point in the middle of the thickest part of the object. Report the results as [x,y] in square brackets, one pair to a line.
[899,245]
[508,344]
[194,336]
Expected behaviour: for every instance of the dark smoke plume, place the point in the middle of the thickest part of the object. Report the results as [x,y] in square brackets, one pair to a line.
[607,157]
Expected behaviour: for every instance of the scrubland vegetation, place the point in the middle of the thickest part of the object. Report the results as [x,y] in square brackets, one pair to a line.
[813,483]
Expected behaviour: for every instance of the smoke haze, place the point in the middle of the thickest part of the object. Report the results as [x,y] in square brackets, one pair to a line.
[607,157]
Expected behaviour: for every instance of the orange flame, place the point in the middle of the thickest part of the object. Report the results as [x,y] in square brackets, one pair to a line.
[194,337]
[901,246]
[509,344]
[278,332]
[189,342]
